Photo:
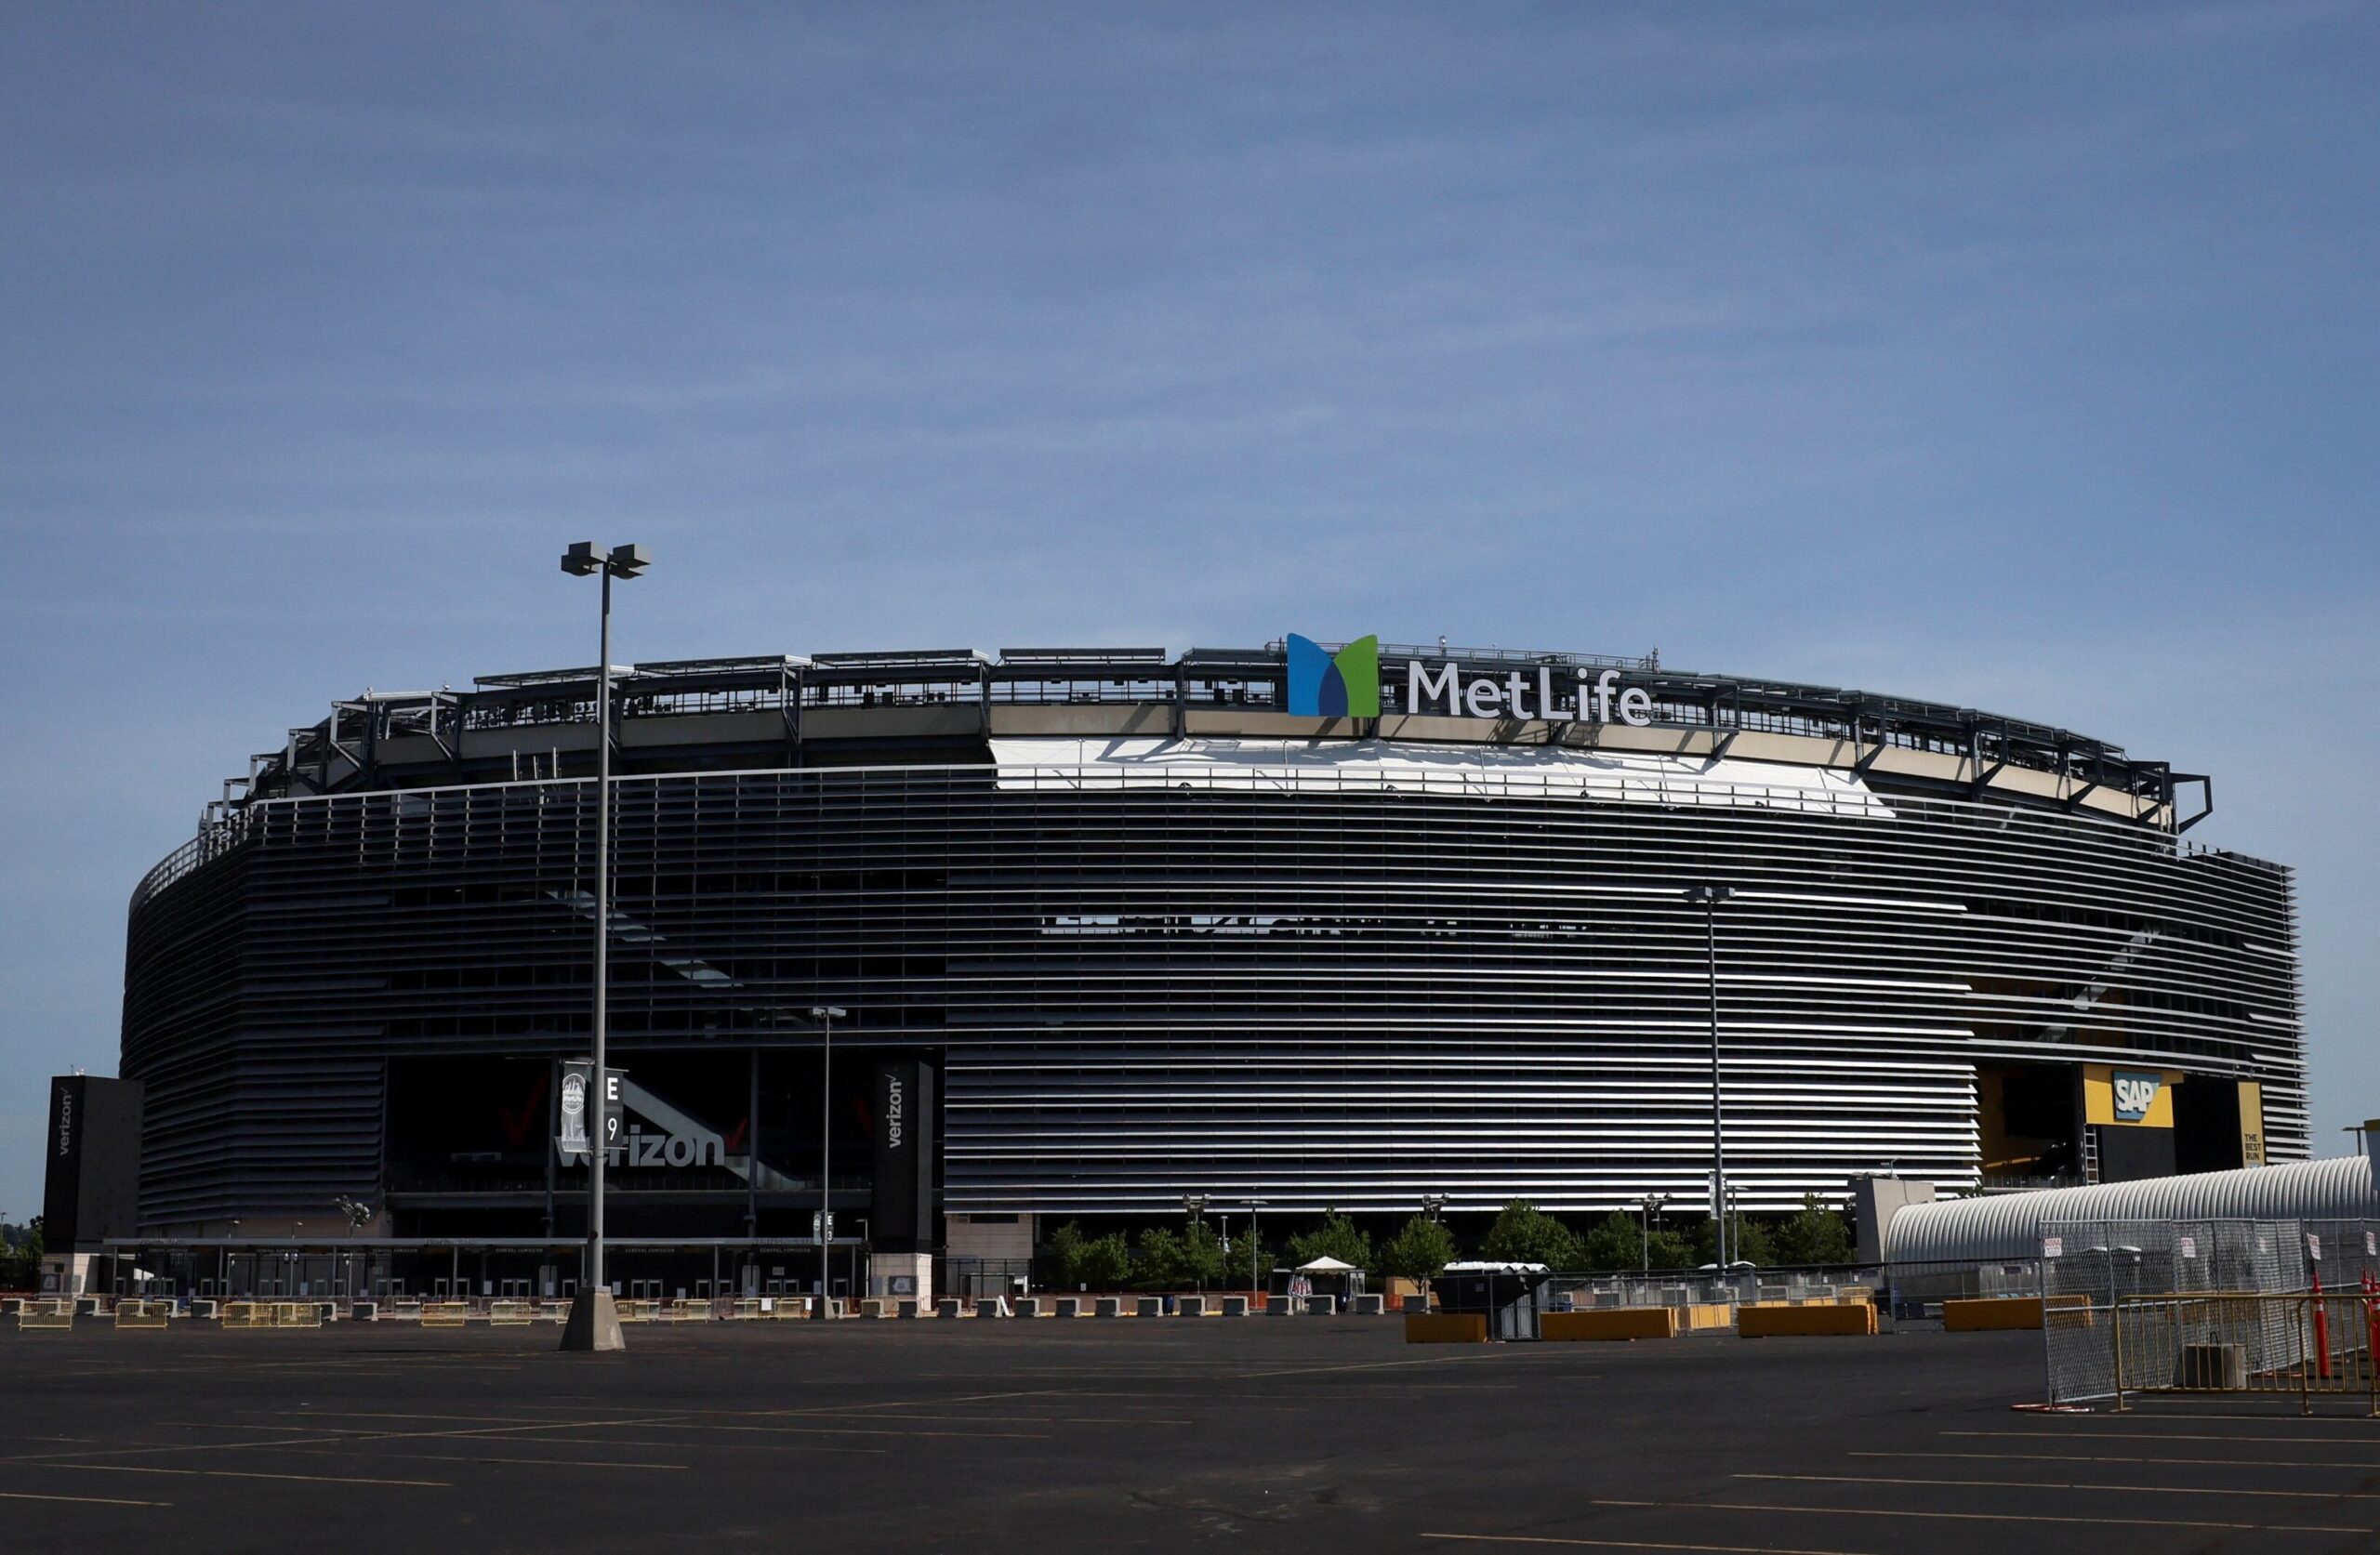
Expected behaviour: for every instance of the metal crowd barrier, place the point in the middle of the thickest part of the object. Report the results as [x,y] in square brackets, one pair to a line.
[272,1314]
[45,1314]
[144,1314]
[2249,1342]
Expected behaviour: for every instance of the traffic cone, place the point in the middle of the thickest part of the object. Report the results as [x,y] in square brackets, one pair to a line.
[2321,1328]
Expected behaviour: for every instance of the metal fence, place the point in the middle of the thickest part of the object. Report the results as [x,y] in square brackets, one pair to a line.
[2296,1346]
[2095,1274]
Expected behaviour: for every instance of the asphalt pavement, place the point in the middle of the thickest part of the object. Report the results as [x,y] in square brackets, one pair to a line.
[1304,1433]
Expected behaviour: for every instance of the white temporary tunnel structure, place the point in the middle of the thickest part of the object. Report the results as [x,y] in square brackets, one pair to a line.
[2008,1225]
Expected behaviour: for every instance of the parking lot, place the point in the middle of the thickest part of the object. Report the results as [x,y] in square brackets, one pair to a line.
[1160,1435]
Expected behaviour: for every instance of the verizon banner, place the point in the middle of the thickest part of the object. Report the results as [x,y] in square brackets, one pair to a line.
[905,1117]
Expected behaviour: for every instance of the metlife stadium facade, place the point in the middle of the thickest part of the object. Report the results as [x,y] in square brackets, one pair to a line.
[1338,927]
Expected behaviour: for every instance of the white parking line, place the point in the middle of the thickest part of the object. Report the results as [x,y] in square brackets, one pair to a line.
[2054,1484]
[78,1500]
[1631,1544]
[1986,1516]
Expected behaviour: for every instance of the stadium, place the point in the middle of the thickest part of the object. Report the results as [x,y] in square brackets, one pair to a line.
[1304,927]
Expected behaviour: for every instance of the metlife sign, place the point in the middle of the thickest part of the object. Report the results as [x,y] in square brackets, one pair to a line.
[1346,684]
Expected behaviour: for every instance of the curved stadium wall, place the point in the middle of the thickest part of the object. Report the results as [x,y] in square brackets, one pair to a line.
[1319,973]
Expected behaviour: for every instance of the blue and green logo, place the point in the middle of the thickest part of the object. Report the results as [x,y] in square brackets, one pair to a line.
[1341,685]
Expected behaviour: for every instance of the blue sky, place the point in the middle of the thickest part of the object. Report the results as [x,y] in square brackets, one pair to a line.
[2018,357]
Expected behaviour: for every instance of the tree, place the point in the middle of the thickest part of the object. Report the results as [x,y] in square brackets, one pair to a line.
[1077,1260]
[1417,1251]
[1248,1258]
[1619,1242]
[1751,1239]
[1615,1242]
[1065,1254]
[1106,1263]
[1337,1237]
[1524,1233]
[1671,1249]
[20,1261]
[1816,1235]
[1178,1261]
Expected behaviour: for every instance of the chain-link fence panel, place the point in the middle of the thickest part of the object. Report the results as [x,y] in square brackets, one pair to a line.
[2087,1267]
[2090,1266]
[2349,1250]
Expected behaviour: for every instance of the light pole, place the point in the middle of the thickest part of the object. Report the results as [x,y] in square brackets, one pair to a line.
[1652,1205]
[826,1015]
[1709,897]
[1193,1205]
[594,1321]
[1255,1245]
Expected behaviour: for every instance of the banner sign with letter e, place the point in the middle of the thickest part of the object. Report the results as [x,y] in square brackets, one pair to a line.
[577,1107]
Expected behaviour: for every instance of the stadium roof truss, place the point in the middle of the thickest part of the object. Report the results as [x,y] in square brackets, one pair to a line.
[345,752]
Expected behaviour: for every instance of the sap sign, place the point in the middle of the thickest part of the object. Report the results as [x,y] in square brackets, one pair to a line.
[2135,1093]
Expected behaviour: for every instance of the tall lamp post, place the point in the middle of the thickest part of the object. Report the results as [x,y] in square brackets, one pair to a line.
[594,1321]
[1195,1206]
[1709,897]
[826,1015]
[1255,1246]
[1652,1205]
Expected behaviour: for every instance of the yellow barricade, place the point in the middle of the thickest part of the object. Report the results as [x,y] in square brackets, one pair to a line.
[45,1314]
[445,1314]
[296,1314]
[1703,1317]
[510,1314]
[788,1305]
[247,1314]
[1610,1322]
[1990,1314]
[1446,1327]
[1761,1322]
[144,1314]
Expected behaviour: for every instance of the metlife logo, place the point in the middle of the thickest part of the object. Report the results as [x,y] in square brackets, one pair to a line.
[1346,684]
[1341,685]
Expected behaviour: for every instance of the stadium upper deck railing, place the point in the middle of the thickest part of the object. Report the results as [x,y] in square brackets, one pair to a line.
[228,828]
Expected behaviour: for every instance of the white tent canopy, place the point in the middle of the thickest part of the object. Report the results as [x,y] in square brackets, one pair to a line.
[1325,1266]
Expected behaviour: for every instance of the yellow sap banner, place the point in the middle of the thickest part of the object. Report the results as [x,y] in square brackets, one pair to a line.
[2129,1098]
